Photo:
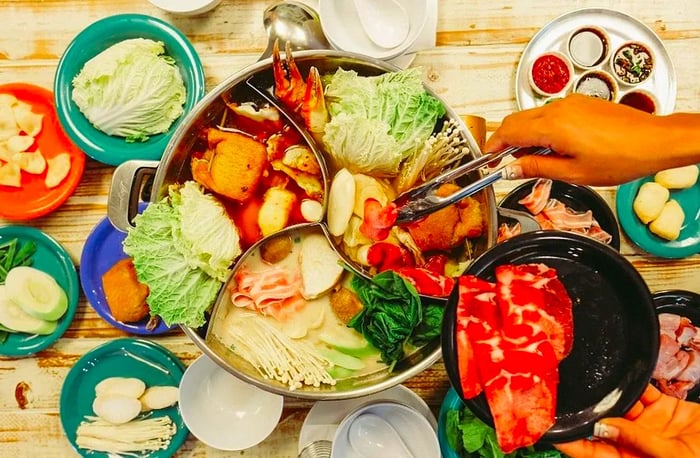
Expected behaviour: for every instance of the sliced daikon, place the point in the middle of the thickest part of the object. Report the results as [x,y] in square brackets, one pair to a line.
[36,292]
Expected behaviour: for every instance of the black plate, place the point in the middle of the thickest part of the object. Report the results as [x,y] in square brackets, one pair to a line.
[579,198]
[616,332]
[684,303]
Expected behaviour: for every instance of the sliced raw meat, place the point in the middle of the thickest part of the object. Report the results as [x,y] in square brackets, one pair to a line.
[532,293]
[538,197]
[677,369]
[565,219]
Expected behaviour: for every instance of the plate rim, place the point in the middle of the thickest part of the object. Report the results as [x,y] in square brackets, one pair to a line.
[669,104]
[629,223]
[77,371]
[157,144]
[71,182]
[72,289]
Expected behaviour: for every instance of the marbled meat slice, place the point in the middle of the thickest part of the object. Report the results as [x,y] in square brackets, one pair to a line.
[532,293]
[477,319]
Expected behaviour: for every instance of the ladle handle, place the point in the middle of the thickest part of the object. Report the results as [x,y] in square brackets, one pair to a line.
[303,17]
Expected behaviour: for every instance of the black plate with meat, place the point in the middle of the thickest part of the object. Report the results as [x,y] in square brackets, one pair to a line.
[616,332]
[683,303]
[576,197]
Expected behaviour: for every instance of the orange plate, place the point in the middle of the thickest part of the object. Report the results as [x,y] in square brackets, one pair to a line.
[34,199]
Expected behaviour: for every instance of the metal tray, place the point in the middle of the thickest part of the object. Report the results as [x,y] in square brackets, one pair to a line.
[620,28]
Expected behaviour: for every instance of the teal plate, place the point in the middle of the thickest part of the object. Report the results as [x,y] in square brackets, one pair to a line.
[687,244]
[52,258]
[93,40]
[126,357]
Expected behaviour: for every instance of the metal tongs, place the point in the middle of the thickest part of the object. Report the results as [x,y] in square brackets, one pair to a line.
[422,200]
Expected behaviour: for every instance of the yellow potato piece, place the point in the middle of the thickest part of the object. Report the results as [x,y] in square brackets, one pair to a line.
[30,162]
[650,201]
[10,175]
[19,143]
[669,223]
[27,120]
[678,178]
[58,168]
[275,210]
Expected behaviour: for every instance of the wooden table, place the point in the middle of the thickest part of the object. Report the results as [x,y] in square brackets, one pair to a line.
[479,43]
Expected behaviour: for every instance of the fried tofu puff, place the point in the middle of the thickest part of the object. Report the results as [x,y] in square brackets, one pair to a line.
[126,296]
[345,304]
[450,226]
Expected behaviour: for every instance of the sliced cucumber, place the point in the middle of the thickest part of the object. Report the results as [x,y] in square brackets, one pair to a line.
[343,360]
[36,292]
[13,317]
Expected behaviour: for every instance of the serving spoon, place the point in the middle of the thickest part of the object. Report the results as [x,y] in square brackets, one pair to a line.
[385,22]
[372,436]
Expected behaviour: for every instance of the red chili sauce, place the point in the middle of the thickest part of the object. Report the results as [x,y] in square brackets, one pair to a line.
[550,73]
[640,101]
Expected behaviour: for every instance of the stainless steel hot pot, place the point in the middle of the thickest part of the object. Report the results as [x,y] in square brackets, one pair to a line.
[130,183]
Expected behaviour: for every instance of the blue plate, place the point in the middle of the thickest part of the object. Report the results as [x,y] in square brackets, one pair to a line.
[102,249]
[52,258]
[687,244]
[93,40]
[127,357]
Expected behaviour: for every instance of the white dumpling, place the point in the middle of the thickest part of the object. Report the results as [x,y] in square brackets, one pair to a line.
[26,119]
[669,223]
[678,178]
[10,175]
[33,162]
[650,201]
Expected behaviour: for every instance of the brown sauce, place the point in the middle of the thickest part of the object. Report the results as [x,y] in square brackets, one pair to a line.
[640,101]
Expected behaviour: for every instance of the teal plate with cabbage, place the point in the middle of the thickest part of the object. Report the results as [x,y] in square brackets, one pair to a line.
[154,364]
[52,258]
[91,42]
[687,244]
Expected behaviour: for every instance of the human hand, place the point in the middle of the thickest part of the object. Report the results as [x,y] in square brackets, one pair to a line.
[597,142]
[657,426]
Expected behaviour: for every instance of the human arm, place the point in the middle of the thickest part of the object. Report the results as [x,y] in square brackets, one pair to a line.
[656,425]
[598,142]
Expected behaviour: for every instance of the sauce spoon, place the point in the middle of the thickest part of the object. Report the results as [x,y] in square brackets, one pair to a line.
[373,437]
[385,22]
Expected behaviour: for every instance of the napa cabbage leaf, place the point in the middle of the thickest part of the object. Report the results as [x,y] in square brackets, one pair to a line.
[131,89]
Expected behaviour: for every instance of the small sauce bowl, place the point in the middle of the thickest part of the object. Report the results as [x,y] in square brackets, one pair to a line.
[641,100]
[551,74]
[596,83]
[588,47]
[632,63]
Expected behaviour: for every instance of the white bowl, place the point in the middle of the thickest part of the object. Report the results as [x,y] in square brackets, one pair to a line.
[414,429]
[224,412]
[186,7]
[341,25]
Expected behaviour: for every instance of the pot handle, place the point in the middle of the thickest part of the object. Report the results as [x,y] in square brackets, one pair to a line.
[123,200]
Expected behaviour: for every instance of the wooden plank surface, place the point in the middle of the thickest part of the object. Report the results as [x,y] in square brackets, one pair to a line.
[479,44]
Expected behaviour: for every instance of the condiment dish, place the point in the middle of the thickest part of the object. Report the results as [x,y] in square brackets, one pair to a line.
[641,100]
[596,83]
[224,412]
[632,63]
[551,74]
[92,41]
[341,25]
[395,427]
[588,47]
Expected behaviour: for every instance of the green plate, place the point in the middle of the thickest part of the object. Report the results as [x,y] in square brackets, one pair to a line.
[90,42]
[126,357]
[687,244]
[53,259]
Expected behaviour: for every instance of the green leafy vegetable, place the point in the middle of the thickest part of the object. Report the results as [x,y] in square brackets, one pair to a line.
[469,436]
[376,122]
[171,264]
[14,254]
[392,315]
[130,90]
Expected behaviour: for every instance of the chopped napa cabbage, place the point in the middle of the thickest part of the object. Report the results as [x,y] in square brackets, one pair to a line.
[183,273]
[131,89]
[376,122]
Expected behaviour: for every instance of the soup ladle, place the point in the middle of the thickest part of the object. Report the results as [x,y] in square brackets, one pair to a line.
[372,436]
[295,23]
